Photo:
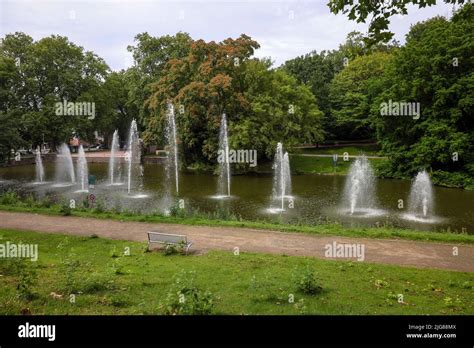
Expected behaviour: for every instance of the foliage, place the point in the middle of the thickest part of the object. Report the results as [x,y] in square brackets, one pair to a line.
[185,297]
[380,13]
[318,71]
[305,281]
[65,209]
[26,280]
[262,106]
[425,71]
[37,74]
[352,92]
[9,198]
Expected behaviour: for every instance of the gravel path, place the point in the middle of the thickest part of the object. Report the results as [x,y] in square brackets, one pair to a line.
[397,252]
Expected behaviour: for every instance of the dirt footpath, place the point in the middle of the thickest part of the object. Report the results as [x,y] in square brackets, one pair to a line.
[397,252]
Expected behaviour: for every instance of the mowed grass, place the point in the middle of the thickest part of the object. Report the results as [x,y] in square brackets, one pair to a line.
[322,165]
[107,282]
[369,150]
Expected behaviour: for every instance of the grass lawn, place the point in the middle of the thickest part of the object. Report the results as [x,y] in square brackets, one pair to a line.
[322,165]
[369,150]
[105,281]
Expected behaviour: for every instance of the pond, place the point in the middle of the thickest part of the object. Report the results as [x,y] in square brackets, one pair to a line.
[316,198]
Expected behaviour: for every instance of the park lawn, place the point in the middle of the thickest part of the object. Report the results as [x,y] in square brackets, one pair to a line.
[369,150]
[323,165]
[106,282]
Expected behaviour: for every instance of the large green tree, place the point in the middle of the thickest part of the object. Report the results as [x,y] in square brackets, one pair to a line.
[318,70]
[352,92]
[435,69]
[48,71]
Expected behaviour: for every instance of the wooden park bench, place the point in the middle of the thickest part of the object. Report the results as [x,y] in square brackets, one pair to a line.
[169,240]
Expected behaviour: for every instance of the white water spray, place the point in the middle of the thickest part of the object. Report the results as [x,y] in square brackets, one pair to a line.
[39,166]
[82,170]
[113,160]
[224,166]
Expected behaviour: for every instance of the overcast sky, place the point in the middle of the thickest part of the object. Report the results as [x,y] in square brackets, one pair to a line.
[285,29]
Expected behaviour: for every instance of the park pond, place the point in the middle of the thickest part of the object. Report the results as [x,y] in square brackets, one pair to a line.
[314,198]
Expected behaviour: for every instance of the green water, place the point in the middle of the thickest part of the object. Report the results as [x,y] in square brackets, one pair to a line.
[316,198]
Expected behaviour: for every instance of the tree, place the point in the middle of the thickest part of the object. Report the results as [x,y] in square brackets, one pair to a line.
[435,69]
[223,77]
[10,138]
[48,71]
[121,109]
[380,11]
[150,55]
[352,93]
[282,110]
[318,70]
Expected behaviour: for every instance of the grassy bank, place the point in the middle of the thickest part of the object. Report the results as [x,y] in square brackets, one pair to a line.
[11,202]
[324,165]
[369,150]
[106,281]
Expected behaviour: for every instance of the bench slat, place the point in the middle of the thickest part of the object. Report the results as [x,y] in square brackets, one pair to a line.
[166,238]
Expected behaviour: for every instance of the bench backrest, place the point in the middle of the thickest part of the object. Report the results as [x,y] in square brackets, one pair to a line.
[159,237]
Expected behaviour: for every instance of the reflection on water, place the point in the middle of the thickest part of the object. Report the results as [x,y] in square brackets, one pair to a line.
[316,198]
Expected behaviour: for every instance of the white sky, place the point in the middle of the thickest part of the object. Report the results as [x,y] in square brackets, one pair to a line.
[284,29]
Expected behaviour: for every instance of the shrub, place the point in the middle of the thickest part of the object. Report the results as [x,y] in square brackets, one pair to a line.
[29,201]
[9,198]
[116,267]
[99,207]
[65,209]
[70,268]
[45,202]
[305,281]
[185,297]
[10,266]
[171,249]
[26,281]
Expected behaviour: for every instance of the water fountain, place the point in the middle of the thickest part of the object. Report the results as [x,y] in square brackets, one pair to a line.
[172,164]
[359,190]
[281,178]
[132,157]
[114,169]
[39,167]
[64,174]
[224,164]
[82,170]
[421,199]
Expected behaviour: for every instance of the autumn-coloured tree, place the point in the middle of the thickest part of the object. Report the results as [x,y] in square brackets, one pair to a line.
[223,77]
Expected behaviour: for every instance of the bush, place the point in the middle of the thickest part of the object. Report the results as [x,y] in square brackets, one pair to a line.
[10,266]
[185,297]
[171,249]
[65,209]
[99,207]
[70,268]
[9,198]
[46,202]
[305,281]
[26,281]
